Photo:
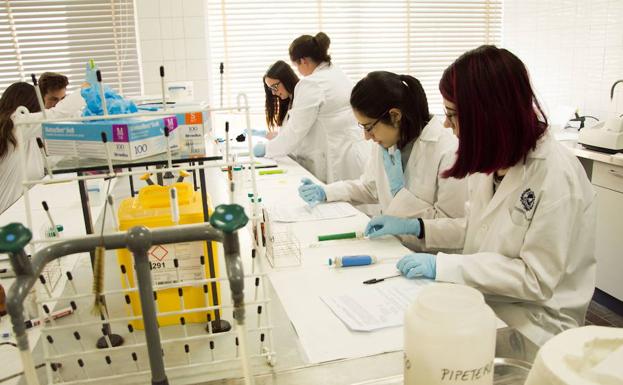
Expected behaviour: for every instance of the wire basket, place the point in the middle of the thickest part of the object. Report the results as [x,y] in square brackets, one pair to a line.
[283,248]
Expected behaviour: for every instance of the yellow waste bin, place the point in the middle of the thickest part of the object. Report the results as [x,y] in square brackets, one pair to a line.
[151,208]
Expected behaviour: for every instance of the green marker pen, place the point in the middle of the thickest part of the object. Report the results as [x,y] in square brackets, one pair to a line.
[333,237]
[271,172]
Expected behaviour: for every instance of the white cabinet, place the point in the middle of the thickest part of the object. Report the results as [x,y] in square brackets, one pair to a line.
[608,182]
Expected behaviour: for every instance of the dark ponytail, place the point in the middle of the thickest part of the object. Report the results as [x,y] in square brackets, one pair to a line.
[276,108]
[17,94]
[380,91]
[314,47]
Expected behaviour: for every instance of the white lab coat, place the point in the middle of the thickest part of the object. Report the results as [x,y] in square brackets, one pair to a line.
[530,246]
[12,171]
[321,132]
[425,195]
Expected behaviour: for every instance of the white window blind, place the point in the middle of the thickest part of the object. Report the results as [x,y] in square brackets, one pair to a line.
[420,38]
[61,36]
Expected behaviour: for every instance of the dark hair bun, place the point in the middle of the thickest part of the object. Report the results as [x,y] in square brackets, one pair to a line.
[323,41]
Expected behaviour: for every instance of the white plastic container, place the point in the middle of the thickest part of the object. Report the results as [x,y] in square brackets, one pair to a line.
[449,337]
[589,355]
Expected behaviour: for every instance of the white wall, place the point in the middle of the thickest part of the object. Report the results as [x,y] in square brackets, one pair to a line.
[173,33]
[572,48]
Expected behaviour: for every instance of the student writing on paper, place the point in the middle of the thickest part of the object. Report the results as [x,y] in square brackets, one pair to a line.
[412,149]
[529,233]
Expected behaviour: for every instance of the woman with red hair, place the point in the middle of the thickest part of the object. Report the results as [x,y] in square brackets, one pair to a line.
[528,235]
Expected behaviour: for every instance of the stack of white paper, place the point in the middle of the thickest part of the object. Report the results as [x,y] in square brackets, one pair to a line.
[302,212]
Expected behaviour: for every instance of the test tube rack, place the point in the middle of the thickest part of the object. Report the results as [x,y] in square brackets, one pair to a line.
[283,248]
[127,361]
[67,342]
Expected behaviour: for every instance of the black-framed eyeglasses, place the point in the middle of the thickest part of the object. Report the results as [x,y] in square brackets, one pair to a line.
[451,115]
[370,127]
[275,87]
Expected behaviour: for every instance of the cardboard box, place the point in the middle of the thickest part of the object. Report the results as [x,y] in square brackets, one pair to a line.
[191,131]
[128,139]
[192,127]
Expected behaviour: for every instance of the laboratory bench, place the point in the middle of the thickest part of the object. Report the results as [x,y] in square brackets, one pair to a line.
[294,362]
[605,172]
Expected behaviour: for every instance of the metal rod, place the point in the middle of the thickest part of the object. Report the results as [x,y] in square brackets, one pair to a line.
[164,102]
[100,82]
[139,242]
[211,164]
[211,265]
[111,170]
[132,192]
[166,139]
[221,70]
[133,115]
[44,155]
[39,96]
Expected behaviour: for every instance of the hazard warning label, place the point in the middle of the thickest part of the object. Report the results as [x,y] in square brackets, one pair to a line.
[162,260]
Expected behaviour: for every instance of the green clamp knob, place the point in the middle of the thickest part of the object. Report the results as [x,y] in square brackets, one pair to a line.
[229,218]
[14,237]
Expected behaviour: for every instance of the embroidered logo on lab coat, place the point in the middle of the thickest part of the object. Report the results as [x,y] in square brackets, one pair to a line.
[527,199]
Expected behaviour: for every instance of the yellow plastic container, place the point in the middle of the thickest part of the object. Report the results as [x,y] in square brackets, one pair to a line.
[151,208]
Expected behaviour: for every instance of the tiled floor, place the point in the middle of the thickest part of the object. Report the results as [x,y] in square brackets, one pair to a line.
[602,316]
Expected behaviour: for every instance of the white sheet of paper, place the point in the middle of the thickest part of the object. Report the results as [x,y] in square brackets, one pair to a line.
[323,336]
[302,212]
[382,307]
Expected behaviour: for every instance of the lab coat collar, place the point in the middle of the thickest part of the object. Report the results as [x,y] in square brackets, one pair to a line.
[321,66]
[510,183]
[515,175]
[432,131]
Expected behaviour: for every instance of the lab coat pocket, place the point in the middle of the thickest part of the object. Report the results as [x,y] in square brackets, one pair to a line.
[520,217]
[511,235]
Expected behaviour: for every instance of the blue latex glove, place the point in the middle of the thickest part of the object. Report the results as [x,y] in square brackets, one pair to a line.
[418,265]
[254,132]
[115,103]
[387,225]
[259,150]
[393,169]
[311,192]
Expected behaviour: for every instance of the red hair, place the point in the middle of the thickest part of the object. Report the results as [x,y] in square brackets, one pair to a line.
[499,117]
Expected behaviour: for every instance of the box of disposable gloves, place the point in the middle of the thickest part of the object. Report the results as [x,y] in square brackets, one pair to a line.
[128,139]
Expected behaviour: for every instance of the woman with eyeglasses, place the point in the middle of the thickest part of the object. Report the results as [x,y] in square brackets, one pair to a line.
[529,233]
[320,133]
[279,83]
[403,173]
